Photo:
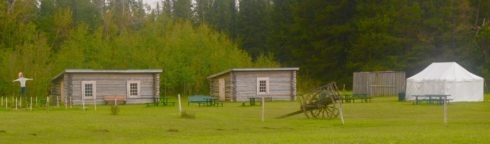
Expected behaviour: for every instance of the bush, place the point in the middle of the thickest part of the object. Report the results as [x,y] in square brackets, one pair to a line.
[187,115]
[114,110]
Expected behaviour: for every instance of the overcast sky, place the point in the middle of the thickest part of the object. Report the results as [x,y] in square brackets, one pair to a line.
[152,3]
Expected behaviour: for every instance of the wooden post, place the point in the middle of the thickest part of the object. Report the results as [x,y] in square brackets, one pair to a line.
[95,104]
[341,114]
[83,103]
[66,103]
[57,102]
[36,100]
[6,103]
[70,102]
[30,107]
[47,102]
[16,104]
[1,103]
[180,104]
[263,108]
[445,111]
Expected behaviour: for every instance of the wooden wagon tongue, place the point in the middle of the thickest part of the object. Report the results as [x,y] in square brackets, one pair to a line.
[320,103]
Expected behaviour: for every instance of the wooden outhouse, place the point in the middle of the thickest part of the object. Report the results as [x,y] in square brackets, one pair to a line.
[77,86]
[239,84]
[379,83]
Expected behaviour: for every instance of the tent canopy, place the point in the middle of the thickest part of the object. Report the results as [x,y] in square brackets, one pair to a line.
[445,71]
[446,78]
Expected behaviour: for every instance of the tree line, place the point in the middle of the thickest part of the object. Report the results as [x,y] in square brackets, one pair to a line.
[190,39]
[43,39]
[331,39]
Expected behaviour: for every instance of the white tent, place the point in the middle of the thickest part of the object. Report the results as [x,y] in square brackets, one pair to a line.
[446,78]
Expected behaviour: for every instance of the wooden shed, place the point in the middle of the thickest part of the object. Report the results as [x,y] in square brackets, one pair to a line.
[380,83]
[239,84]
[136,86]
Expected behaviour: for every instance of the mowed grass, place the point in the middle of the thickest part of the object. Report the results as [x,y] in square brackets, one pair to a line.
[384,120]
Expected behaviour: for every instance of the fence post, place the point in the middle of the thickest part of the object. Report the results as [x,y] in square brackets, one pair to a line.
[83,103]
[95,104]
[263,108]
[47,102]
[20,101]
[31,104]
[36,101]
[445,111]
[6,103]
[16,103]
[180,105]
[341,114]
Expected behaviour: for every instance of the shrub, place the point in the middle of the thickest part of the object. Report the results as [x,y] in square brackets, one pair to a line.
[114,110]
[187,115]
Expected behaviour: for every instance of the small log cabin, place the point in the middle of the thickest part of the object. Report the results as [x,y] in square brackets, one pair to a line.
[88,86]
[239,84]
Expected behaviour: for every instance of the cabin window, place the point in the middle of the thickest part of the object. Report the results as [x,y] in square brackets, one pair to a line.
[133,88]
[88,89]
[262,85]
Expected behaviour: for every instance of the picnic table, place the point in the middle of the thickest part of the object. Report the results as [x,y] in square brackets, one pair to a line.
[165,102]
[352,98]
[253,100]
[432,98]
[204,100]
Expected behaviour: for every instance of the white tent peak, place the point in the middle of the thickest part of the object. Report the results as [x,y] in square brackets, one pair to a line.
[445,71]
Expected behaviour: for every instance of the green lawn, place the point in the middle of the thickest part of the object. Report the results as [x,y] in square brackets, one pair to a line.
[384,120]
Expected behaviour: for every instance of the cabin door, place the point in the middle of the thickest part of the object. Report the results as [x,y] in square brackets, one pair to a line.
[221,82]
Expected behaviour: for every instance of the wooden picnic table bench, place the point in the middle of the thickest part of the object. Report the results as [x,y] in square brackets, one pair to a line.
[165,102]
[113,99]
[352,98]
[258,99]
[204,100]
[432,98]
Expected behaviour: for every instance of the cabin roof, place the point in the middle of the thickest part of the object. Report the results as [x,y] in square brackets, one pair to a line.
[252,70]
[92,71]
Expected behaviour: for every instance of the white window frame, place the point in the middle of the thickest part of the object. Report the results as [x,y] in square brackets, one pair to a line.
[128,87]
[266,79]
[94,89]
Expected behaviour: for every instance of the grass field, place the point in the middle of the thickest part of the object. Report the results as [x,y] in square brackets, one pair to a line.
[384,120]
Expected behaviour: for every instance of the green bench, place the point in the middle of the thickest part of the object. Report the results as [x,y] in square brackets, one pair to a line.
[204,100]
[165,102]
[362,97]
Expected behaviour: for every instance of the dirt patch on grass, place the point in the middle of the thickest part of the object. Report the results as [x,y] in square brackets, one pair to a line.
[102,131]
[172,130]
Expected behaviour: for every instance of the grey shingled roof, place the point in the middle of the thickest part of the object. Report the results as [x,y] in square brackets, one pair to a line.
[252,70]
[106,71]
